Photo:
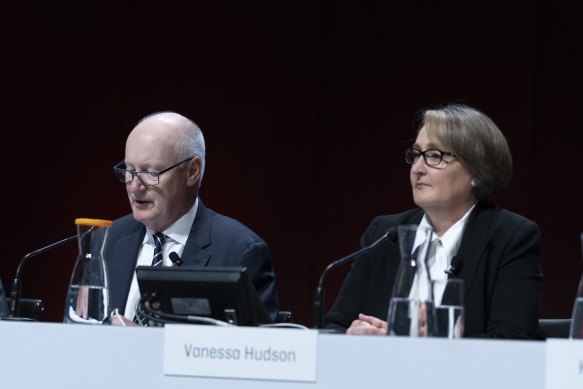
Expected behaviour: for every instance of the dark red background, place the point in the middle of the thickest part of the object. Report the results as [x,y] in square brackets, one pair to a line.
[306,108]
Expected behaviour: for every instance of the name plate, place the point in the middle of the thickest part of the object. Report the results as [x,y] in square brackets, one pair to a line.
[282,354]
[564,364]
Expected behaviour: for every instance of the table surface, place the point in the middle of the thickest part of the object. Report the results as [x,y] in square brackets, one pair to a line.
[69,355]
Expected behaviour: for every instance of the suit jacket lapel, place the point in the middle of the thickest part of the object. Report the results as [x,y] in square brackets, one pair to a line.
[122,266]
[474,248]
[198,248]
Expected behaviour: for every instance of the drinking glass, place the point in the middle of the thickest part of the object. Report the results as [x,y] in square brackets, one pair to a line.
[448,296]
[411,311]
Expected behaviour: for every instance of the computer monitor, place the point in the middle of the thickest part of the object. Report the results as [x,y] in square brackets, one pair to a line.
[221,293]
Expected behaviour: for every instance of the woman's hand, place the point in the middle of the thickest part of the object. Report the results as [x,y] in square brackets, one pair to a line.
[367,325]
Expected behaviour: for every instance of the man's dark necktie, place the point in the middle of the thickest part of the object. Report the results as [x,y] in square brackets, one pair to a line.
[159,239]
[157,259]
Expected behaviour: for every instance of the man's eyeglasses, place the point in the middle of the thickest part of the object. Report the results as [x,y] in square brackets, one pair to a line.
[147,178]
[432,157]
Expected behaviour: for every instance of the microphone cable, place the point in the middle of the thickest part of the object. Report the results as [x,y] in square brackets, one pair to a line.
[161,318]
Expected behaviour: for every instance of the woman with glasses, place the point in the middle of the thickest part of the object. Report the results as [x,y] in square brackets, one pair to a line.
[458,161]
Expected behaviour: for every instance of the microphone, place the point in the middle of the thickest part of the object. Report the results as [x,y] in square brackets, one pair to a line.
[454,268]
[319,295]
[15,291]
[175,258]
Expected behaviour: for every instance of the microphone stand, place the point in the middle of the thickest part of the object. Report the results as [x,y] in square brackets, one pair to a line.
[15,291]
[319,295]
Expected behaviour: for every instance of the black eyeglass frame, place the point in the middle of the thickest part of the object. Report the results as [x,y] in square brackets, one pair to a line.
[412,154]
[121,173]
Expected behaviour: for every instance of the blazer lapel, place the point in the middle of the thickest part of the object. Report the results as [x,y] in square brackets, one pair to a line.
[474,248]
[122,265]
[198,248]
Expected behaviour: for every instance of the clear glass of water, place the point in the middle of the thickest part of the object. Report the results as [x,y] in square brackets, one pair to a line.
[448,296]
[576,331]
[411,317]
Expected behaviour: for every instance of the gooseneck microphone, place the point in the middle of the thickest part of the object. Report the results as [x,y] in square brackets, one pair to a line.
[15,291]
[175,258]
[319,295]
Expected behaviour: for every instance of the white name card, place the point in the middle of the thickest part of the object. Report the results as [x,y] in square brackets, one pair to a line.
[564,364]
[283,354]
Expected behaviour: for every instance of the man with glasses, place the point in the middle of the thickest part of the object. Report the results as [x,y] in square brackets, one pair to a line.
[162,171]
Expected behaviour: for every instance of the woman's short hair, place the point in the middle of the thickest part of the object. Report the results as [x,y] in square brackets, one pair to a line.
[477,143]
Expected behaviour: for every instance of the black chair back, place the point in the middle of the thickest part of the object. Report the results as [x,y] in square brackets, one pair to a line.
[553,328]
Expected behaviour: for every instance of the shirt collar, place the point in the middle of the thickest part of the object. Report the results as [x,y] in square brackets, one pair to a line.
[453,236]
[179,230]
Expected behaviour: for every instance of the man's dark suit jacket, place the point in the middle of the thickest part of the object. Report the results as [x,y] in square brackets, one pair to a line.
[214,240]
[498,259]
